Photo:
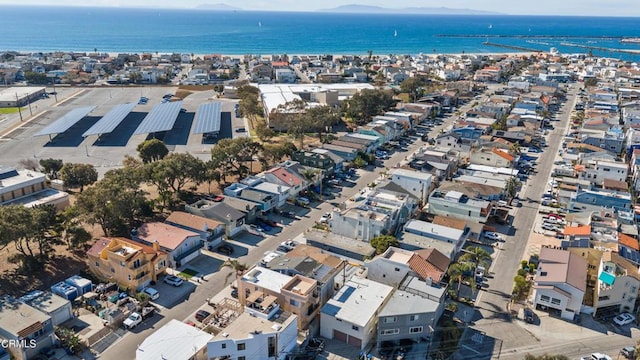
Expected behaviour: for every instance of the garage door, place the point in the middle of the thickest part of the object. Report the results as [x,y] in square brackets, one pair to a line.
[339,335]
[354,341]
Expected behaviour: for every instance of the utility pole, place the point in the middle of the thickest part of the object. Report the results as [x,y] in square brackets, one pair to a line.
[18,105]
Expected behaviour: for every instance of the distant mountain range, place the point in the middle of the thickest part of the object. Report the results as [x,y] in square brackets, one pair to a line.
[368,9]
[217,7]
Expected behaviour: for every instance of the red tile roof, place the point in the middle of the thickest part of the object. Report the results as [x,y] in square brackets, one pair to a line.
[285,176]
[429,263]
[628,241]
[503,154]
[584,230]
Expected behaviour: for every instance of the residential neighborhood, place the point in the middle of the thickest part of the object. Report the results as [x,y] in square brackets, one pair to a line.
[481,206]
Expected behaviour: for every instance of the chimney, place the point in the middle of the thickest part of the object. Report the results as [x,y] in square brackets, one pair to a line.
[156,245]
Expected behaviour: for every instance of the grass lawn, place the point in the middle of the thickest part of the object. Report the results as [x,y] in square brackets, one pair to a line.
[188,273]
[11,110]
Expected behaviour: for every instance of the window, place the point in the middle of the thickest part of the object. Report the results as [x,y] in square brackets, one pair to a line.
[97,264]
[271,346]
[414,317]
[242,358]
[123,264]
[136,264]
[293,302]
[354,327]
[242,346]
[390,332]
[396,269]
[545,298]
[555,301]
[224,346]
[603,298]
[415,329]
[389,319]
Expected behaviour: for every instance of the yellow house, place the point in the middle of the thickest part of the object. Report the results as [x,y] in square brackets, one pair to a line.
[129,263]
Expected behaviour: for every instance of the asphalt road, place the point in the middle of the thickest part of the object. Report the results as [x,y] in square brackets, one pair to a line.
[126,346]
[492,316]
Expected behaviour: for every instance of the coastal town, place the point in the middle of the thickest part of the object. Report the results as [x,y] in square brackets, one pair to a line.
[431,206]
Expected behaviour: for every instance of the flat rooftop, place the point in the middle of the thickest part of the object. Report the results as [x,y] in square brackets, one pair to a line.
[266,278]
[9,94]
[340,242]
[411,241]
[357,301]
[245,324]
[20,319]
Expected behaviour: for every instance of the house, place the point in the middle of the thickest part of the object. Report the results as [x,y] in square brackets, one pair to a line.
[416,183]
[283,176]
[338,161]
[180,245]
[263,291]
[351,316]
[57,307]
[432,232]
[604,198]
[560,282]
[381,211]
[617,285]
[318,160]
[339,245]
[219,211]
[492,156]
[280,192]
[29,188]
[266,201]
[411,312]
[605,170]
[26,329]
[392,266]
[346,153]
[629,248]
[577,236]
[175,340]
[210,231]
[129,263]
[612,140]
[459,205]
[249,337]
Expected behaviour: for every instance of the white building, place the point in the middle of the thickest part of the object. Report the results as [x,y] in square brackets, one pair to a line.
[456,204]
[605,170]
[417,183]
[560,282]
[175,340]
[351,315]
[254,338]
[29,188]
[436,232]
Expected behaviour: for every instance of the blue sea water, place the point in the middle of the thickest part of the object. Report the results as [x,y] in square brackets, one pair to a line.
[244,32]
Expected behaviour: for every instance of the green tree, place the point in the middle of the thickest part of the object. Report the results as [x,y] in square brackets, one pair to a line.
[70,228]
[476,256]
[51,167]
[31,231]
[36,78]
[263,132]
[238,267]
[413,86]
[172,174]
[514,149]
[320,118]
[458,273]
[511,187]
[229,155]
[520,285]
[367,103]
[383,242]
[152,150]
[78,175]
[116,202]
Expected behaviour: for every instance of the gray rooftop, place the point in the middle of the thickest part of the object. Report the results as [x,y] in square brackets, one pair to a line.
[111,120]
[161,118]
[208,118]
[66,121]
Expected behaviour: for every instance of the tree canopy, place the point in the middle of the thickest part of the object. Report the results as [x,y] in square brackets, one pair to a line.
[78,175]
[51,167]
[413,86]
[383,242]
[152,150]
[366,104]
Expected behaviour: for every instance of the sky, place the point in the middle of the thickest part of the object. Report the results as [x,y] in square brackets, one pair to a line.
[536,7]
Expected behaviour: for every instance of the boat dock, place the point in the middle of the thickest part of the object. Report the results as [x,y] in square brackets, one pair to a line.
[530,36]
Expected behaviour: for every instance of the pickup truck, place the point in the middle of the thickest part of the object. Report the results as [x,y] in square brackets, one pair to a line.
[136,317]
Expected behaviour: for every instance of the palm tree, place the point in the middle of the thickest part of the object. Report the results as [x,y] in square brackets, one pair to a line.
[457,273]
[515,149]
[236,265]
[511,187]
[477,256]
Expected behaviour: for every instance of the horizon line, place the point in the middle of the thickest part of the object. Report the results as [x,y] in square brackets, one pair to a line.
[326,11]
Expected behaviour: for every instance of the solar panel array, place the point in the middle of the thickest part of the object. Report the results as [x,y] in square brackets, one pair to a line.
[161,118]
[67,121]
[111,120]
[208,118]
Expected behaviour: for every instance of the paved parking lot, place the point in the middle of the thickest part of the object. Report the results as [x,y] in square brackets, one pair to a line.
[107,151]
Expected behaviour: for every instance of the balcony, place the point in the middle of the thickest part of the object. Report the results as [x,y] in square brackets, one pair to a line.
[261,305]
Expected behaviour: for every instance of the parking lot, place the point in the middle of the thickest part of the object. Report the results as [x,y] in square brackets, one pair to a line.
[105,152]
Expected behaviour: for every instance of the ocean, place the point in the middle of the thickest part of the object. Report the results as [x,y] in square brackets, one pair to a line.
[244,32]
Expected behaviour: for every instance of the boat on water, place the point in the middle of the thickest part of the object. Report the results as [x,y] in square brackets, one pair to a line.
[395,33]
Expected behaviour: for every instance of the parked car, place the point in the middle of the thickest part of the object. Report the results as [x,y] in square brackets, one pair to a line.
[624,319]
[264,225]
[201,315]
[492,235]
[173,280]
[596,356]
[628,352]
[132,321]
[289,214]
[225,249]
[234,293]
[528,316]
[152,293]
[325,218]
[269,222]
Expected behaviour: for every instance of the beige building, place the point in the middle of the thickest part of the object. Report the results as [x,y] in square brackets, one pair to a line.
[29,188]
[127,262]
